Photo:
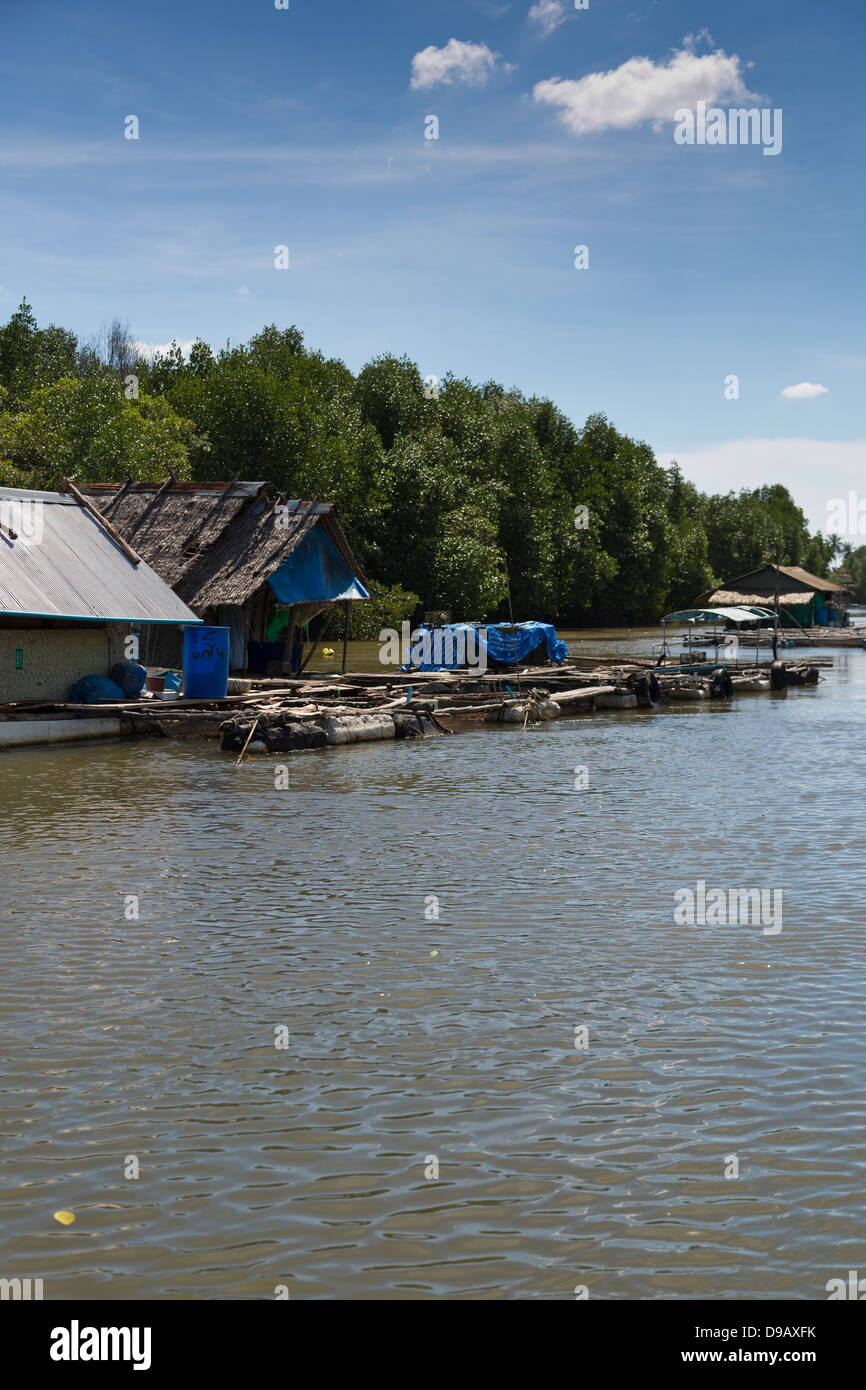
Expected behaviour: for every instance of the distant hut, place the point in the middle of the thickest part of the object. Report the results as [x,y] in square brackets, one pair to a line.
[847,584]
[72,591]
[805,600]
[260,566]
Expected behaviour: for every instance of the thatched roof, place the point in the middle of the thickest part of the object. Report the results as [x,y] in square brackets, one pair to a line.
[724,598]
[214,543]
[758,588]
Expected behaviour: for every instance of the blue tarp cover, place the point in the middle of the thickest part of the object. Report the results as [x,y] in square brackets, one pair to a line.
[315,572]
[458,644]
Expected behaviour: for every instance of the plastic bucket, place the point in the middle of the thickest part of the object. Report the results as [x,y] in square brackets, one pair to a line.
[205,663]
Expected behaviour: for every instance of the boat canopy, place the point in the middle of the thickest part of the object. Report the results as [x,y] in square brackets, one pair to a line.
[741,614]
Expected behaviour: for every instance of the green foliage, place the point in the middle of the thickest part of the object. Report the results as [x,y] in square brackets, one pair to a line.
[390,393]
[450,495]
[749,529]
[86,429]
[31,357]
[856,566]
[389,607]
[10,476]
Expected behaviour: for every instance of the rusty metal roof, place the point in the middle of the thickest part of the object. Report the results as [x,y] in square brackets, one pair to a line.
[57,561]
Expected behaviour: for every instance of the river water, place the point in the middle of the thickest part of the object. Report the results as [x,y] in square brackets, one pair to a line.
[305,1160]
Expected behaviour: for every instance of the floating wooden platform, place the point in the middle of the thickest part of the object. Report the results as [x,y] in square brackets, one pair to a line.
[791,637]
[282,715]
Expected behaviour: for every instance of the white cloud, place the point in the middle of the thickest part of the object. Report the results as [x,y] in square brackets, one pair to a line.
[815,471]
[640,90]
[154,349]
[549,14]
[804,391]
[456,62]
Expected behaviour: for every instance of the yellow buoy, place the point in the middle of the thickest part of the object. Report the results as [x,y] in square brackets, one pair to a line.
[65,1218]
[327,651]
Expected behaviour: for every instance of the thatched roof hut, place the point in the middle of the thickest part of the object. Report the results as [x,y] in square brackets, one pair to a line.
[803,597]
[238,556]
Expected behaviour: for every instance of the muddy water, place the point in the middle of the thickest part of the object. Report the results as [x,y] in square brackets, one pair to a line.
[413,1043]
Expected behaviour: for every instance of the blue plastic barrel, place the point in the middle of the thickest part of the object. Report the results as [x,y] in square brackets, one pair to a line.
[205,663]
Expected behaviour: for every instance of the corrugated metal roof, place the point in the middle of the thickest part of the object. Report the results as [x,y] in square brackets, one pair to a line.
[64,565]
[813,581]
[743,583]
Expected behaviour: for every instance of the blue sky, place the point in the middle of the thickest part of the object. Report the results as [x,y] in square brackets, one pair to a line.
[262,127]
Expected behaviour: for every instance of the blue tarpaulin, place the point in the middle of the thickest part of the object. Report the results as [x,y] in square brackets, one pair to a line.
[316,572]
[461,644]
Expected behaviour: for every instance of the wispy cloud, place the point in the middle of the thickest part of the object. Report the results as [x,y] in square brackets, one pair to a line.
[640,90]
[456,62]
[803,391]
[195,165]
[813,470]
[548,14]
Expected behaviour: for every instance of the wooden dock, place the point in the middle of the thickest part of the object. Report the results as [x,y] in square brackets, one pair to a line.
[282,714]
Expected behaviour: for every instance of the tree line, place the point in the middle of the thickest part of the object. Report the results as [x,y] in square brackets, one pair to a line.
[453,494]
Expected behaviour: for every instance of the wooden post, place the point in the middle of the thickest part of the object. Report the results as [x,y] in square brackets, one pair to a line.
[290,639]
[511,620]
[776,605]
[249,737]
[325,627]
[345,635]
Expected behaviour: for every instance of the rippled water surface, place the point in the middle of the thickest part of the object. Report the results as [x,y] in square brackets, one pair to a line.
[452,1039]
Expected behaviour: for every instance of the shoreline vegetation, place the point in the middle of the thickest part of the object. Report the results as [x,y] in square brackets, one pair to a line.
[449,490]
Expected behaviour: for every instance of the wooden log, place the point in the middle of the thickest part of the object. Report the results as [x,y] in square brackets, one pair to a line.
[103,521]
[566,697]
[588,692]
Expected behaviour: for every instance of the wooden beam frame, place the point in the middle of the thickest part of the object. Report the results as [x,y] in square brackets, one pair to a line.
[327,624]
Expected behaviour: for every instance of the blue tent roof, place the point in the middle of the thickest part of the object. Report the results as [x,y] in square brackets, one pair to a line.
[453,645]
[316,572]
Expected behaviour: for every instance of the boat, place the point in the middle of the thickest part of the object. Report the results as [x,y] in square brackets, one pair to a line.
[734,628]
